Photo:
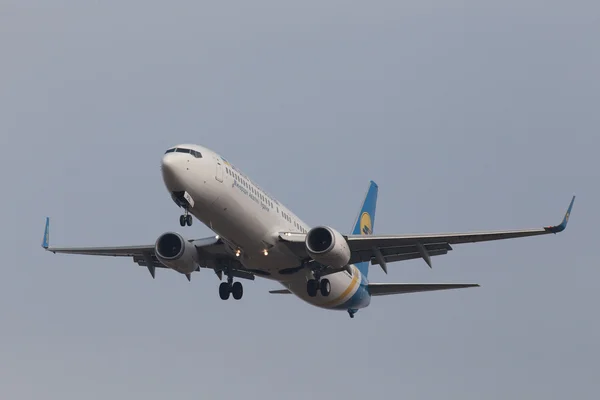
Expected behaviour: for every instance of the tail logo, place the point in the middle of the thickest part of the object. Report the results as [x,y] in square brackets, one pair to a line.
[366,227]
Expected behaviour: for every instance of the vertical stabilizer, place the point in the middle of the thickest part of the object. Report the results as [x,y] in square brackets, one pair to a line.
[365,222]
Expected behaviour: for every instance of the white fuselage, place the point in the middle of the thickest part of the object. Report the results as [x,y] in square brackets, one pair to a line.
[250,220]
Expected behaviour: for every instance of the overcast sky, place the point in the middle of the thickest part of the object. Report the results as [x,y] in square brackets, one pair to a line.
[469,115]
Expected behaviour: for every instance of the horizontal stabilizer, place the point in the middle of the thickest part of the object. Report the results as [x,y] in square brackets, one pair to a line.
[280,291]
[382,289]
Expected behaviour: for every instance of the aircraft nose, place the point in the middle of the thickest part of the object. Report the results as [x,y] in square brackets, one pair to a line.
[169,168]
[168,164]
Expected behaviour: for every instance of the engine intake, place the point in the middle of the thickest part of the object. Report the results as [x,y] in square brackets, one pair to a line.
[328,247]
[169,246]
[174,252]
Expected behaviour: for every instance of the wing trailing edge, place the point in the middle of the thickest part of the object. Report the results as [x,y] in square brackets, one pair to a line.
[382,289]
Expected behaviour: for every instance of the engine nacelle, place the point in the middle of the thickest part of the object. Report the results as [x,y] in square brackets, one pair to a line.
[176,253]
[327,246]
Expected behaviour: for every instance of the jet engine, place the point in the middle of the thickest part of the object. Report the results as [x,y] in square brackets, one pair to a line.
[327,246]
[173,251]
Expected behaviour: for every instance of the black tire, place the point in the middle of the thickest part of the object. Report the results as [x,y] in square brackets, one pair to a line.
[325,287]
[224,290]
[189,219]
[311,287]
[182,220]
[237,290]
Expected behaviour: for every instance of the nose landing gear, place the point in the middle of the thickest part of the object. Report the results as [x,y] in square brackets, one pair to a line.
[315,285]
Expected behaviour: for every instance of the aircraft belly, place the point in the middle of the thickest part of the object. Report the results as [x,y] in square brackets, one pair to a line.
[346,292]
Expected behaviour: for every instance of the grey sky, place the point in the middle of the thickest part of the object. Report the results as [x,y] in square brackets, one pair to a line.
[469,115]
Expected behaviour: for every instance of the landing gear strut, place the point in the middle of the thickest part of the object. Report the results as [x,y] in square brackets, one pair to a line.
[186,219]
[315,285]
[230,287]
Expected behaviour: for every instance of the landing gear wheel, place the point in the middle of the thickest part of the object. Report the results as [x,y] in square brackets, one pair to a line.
[311,287]
[237,290]
[189,220]
[325,287]
[182,220]
[224,290]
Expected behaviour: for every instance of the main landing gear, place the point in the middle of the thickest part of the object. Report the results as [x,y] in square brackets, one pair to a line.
[230,287]
[315,285]
[186,219]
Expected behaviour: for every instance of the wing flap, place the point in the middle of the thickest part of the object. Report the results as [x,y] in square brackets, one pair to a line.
[382,289]
[121,251]
[359,243]
[408,256]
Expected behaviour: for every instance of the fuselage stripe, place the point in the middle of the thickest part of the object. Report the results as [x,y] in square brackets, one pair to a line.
[356,278]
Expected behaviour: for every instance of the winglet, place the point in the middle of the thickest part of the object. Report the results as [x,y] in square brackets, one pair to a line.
[563,224]
[46,240]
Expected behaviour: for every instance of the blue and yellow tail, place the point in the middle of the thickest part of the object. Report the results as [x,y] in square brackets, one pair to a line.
[365,222]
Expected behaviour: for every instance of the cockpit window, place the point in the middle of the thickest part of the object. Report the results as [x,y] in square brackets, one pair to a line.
[195,153]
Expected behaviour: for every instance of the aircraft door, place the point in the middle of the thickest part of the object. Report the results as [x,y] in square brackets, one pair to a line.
[219,172]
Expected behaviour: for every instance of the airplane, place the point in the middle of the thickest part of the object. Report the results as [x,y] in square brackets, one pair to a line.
[257,236]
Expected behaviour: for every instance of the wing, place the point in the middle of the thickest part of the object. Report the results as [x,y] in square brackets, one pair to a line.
[381,249]
[382,289]
[212,252]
